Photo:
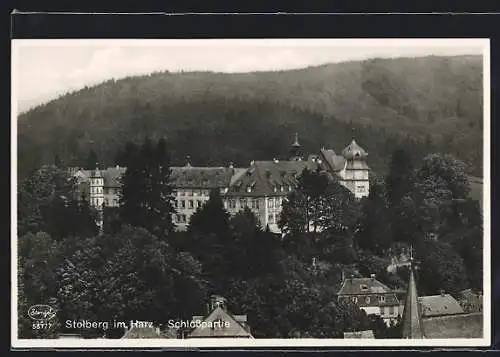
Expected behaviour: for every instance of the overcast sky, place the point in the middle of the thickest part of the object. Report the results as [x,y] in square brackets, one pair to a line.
[44,69]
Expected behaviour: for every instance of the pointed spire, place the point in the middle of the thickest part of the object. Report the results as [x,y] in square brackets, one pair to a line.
[412,318]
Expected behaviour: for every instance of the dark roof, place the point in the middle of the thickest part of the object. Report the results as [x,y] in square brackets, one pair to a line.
[235,329]
[354,152]
[438,305]
[454,326]
[201,177]
[359,334]
[356,286]
[332,160]
[269,177]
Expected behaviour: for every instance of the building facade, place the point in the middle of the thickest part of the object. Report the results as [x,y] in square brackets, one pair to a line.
[373,297]
[262,187]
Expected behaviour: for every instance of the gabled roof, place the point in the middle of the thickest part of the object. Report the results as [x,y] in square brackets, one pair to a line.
[269,177]
[359,334]
[439,305]
[201,177]
[333,161]
[363,286]
[235,328]
[412,323]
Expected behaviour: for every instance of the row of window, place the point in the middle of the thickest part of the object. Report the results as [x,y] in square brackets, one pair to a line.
[190,204]
[105,190]
[368,300]
[107,202]
[201,193]
[274,202]
[180,218]
[242,203]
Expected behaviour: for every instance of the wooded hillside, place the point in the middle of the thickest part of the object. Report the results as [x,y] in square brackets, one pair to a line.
[425,104]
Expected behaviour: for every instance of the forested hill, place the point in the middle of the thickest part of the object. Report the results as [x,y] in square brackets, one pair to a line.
[220,117]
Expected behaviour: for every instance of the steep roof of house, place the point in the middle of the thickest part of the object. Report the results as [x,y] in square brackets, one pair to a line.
[363,286]
[332,160]
[269,177]
[454,326]
[359,334]
[235,328]
[438,305]
[201,177]
[412,323]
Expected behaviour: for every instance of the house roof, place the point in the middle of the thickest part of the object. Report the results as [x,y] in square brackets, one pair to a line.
[201,177]
[269,177]
[454,326]
[438,305]
[235,329]
[359,334]
[363,286]
[332,160]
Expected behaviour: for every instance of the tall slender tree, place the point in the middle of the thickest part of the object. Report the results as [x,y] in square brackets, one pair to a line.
[91,161]
[146,198]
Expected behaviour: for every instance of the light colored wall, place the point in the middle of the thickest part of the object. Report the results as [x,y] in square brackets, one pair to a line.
[371,310]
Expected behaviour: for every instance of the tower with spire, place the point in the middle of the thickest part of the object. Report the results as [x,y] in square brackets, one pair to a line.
[295,149]
[355,173]
[412,326]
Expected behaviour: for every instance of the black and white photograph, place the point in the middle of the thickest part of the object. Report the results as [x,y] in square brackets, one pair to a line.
[250,193]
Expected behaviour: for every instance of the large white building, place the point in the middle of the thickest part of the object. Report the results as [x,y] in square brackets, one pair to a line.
[261,187]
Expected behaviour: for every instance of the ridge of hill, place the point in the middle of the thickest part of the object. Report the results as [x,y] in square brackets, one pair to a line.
[427,104]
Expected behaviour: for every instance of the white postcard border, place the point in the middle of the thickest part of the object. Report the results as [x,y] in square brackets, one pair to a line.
[255,343]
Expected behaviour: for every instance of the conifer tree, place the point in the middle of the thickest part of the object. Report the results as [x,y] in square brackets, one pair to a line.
[146,199]
[91,161]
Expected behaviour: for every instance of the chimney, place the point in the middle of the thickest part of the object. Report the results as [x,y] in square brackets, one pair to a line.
[441,292]
[372,276]
[231,165]
[188,161]
[117,166]
[343,275]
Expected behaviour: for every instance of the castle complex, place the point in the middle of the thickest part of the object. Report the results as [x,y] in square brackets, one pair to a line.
[261,187]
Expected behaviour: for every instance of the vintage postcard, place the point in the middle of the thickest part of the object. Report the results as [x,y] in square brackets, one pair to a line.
[251,193]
